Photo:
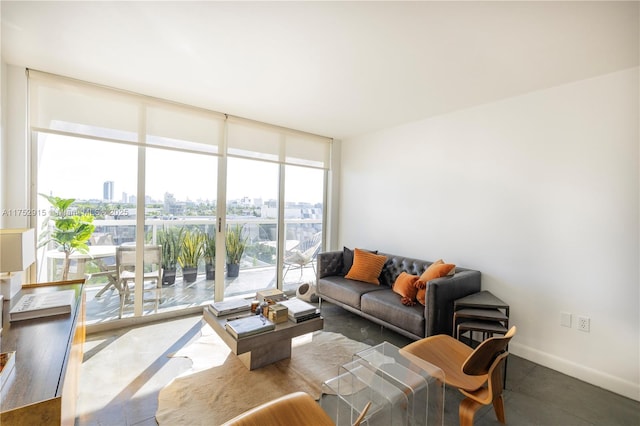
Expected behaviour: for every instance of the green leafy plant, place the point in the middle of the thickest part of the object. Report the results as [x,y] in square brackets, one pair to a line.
[235,244]
[171,240]
[209,248]
[192,249]
[70,232]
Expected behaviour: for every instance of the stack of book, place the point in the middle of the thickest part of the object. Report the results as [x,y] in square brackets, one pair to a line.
[271,294]
[248,326]
[229,307]
[299,310]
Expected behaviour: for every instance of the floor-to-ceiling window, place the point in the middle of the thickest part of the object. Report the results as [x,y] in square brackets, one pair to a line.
[150,171]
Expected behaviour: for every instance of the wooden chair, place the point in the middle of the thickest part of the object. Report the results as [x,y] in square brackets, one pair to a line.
[296,408]
[125,273]
[478,374]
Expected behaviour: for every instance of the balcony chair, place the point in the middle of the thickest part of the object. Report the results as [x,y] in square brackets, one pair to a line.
[106,265]
[477,373]
[125,273]
[296,408]
[303,255]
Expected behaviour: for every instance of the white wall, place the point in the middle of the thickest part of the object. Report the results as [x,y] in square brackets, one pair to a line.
[540,193]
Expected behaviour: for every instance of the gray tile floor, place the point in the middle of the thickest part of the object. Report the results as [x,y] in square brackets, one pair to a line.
[124,370]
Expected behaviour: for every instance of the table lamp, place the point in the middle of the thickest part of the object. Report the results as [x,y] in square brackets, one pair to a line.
[17,253]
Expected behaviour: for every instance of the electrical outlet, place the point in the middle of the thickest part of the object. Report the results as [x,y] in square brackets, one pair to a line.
[584,324]
[565,319]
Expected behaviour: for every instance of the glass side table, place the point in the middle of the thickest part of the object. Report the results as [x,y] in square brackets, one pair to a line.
[402,391]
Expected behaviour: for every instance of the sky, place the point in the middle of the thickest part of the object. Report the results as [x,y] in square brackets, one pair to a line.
[77,168]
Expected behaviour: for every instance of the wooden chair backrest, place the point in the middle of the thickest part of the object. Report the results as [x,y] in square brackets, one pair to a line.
[126,256]
[481,359]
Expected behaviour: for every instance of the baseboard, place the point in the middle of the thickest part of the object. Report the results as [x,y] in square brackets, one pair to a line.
[586,374]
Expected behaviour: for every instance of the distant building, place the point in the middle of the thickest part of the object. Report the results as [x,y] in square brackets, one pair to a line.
[107,191]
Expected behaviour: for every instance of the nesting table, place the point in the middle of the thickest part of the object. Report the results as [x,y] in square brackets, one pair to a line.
[481,312]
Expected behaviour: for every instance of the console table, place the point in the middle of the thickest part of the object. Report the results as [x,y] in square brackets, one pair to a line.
[44,387]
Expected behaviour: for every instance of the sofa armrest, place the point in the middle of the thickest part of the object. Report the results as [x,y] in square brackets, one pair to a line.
[441,293]
[330,263]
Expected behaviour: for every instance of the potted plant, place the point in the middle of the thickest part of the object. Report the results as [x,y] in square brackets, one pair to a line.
[210,255]
[192,250]
[235,245]
[70,231]
[170,239]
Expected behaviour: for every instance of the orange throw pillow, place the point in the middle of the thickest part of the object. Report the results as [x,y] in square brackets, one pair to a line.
[436,270]
[366,266]
[405,287]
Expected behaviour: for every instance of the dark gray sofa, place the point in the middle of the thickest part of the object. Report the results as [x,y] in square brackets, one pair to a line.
[380,304]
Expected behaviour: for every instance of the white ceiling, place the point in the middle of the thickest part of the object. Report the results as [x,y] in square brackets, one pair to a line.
[334,68]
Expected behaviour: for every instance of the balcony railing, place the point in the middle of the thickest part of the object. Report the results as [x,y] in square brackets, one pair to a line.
[257,268]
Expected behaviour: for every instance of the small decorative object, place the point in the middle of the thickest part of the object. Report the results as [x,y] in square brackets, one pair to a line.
[278,313]
[263,309]
[307,292]
[254,306]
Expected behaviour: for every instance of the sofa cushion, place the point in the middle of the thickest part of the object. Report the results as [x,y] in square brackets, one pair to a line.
[366,266]
[436,270]
[347,259]
[405,287]
[384,305]
[344,290]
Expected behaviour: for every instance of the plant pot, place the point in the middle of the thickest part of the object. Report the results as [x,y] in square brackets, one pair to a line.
[189,275]
[168,276]
[233,270]
[210,270]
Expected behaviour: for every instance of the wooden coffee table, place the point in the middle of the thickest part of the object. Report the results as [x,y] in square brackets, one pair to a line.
[265,348]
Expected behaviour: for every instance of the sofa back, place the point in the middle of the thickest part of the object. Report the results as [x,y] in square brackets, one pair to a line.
[331,263]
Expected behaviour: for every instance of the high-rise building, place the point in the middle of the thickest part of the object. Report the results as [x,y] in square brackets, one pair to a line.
[107,191]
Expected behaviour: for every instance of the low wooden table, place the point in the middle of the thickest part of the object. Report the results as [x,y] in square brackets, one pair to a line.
[265,348]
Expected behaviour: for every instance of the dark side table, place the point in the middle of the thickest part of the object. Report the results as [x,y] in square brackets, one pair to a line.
[481,312]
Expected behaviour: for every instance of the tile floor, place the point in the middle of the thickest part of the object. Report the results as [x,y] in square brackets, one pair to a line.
[124,370]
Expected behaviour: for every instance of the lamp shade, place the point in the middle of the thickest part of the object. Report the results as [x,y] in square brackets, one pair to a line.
[17,249]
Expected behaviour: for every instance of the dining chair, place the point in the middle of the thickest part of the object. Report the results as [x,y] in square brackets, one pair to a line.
[477,373]
[126,275]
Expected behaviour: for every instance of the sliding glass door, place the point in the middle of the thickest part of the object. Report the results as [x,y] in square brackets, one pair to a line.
[240,202]
[251,226]
[303,219]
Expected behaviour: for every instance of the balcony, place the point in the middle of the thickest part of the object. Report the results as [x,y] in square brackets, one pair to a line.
[258,267]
